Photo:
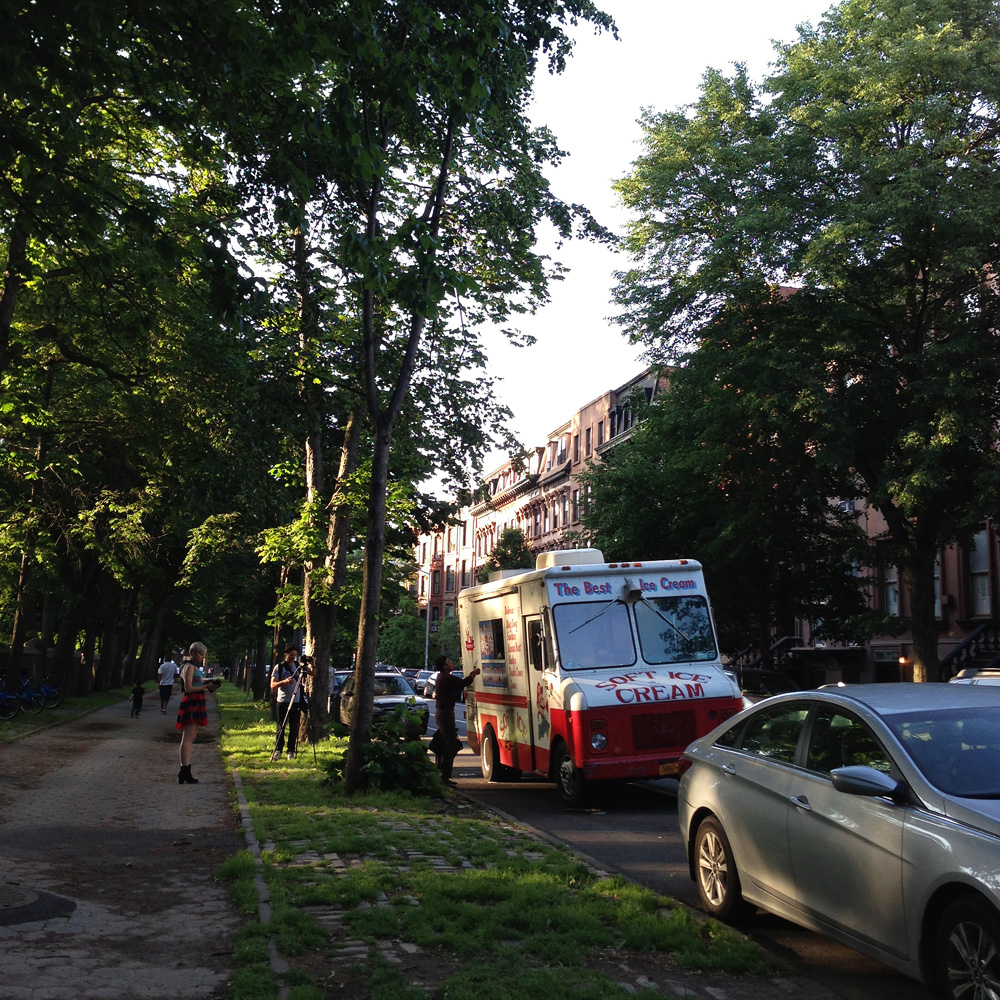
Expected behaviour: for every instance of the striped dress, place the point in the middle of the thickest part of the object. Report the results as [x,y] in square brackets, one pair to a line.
[193,710]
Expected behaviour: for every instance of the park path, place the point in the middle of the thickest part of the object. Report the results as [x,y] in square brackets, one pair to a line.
[106,863]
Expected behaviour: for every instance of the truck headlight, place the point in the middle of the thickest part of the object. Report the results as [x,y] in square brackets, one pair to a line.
[598,741]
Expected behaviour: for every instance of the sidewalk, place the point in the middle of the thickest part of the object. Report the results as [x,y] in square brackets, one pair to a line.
[106,863]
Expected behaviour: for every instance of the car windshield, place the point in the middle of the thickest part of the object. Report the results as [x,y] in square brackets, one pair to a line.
[957,751]
[393,686]
[594,634]
[675,629]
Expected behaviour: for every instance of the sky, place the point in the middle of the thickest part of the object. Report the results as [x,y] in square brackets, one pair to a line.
[664,48]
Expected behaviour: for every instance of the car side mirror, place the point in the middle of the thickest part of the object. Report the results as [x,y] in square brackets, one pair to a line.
[859,779]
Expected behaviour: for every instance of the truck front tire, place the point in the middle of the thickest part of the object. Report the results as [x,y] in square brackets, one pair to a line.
[569,778]
[489,755]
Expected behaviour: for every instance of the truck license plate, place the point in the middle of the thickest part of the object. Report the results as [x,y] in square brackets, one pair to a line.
[669,770]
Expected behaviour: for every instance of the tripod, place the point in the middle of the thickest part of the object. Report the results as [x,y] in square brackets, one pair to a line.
[279,740]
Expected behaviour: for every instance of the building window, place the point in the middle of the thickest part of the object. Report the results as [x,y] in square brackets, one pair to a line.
[576,447]
[451,539]
[436,584]
[449,580]
[423,586]
[565,506]
[449,611]
[538,523]
[576,505]
[545,520]
[890,590]
[587,442]
[938,607]
[555,516]
[423,553]
[979,575]
[465,573]
[600,433]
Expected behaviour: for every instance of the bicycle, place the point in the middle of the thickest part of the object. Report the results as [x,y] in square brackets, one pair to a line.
[10,703]
[31,700]
[53,695]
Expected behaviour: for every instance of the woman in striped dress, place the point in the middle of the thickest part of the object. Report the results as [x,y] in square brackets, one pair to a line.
[193,712]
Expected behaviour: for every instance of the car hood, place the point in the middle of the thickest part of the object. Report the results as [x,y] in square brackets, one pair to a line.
[982,814]
[392,700]
[647,685]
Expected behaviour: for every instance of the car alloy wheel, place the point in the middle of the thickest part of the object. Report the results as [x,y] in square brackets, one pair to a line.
[968,950]
[715,871]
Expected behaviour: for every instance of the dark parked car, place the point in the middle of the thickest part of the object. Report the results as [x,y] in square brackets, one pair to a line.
[867,812]
[392,691]
[337,679]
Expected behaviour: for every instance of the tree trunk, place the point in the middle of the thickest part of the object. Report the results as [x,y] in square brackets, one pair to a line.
[917,572]
[371,594]
[66,665]
[321,615]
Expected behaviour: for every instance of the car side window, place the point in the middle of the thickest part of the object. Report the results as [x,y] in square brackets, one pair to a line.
[839,739]
[774,732]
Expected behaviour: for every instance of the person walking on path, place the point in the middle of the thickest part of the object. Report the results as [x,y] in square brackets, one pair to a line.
[286,679]
[193,712]
[447,691]
[165,678]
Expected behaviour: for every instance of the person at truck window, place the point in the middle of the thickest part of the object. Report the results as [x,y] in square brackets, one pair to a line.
[447,691]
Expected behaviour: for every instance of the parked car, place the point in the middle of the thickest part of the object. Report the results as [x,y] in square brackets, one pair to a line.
[391,691]
[977,675]
[423,676]
[337,679]
[868,812]
[410,673]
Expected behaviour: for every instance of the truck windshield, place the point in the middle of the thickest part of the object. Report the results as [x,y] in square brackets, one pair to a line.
[593,634]
[675,629]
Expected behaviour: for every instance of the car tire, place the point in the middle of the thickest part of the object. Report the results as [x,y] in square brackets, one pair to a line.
[967,950]
[489,759]
[715,872]
[569,778]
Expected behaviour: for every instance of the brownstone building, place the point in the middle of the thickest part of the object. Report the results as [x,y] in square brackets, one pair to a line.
[542,495]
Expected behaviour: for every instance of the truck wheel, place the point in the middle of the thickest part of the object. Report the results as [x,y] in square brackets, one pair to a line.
[490,756]
[569,778]
[489,752]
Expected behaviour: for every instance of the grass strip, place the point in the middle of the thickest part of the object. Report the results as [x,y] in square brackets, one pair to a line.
[388,895]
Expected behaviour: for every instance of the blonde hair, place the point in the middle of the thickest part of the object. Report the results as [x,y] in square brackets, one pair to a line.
[197,649]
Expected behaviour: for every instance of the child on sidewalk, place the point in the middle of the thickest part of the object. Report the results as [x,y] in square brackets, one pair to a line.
[136,699]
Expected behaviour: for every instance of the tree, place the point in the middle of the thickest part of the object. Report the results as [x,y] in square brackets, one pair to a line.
[511,551]
[723,469]
[431,182]
[864,172]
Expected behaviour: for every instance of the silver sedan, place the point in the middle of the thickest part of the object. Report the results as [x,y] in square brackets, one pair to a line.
[870,813]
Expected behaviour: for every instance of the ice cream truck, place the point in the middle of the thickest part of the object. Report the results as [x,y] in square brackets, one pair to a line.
[591,671]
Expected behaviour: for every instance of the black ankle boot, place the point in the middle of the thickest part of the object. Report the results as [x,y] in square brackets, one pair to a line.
[184,776]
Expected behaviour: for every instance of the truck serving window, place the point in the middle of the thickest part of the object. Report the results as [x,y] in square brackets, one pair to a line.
[675,629]
[593,634]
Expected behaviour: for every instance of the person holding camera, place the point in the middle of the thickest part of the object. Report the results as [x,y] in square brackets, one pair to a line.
[193,711]
[286,682]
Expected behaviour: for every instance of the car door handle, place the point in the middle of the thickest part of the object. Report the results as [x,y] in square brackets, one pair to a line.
[801,802]
[728,769]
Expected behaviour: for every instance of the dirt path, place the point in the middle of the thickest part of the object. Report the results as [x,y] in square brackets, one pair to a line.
[106,863]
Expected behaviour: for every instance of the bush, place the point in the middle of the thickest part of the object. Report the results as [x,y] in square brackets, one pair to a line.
[392,762]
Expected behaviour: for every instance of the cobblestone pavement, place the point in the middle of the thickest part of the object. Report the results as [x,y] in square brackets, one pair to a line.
[106,863]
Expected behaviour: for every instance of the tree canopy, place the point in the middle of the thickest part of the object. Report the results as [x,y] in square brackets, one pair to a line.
[862,176]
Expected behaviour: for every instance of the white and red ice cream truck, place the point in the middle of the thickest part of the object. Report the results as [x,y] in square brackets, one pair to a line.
[591,671]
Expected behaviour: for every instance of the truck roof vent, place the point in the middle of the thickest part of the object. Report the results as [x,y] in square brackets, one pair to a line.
[568,557]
